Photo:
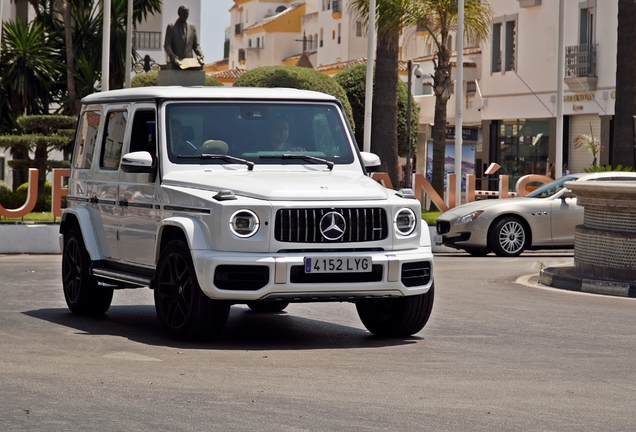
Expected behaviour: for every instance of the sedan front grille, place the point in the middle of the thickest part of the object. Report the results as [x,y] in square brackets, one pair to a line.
[303,225]
[443,227]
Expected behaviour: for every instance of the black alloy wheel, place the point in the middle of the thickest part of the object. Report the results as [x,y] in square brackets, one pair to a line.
[184,311]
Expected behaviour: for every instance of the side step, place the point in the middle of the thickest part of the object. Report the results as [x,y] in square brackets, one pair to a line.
[129,280]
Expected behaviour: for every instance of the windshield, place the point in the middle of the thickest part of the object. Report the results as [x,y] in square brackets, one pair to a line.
[551,188]
[260,132]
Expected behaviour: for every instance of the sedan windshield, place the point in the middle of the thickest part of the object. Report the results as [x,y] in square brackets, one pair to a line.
[257,132]
[551,188]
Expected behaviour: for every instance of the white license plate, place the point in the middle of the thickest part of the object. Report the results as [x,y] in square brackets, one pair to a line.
[337,265]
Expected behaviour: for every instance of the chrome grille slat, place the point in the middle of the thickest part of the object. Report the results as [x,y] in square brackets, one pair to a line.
[303,225]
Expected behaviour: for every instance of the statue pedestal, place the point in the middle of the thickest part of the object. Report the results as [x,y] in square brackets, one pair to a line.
[178,77]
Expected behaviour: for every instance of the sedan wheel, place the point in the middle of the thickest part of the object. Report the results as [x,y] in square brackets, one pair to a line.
[508,238]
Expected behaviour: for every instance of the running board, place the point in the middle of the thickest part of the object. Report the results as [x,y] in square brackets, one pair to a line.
[120,276]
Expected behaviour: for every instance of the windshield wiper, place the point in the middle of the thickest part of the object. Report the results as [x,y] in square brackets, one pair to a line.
[300,156]
[228,158]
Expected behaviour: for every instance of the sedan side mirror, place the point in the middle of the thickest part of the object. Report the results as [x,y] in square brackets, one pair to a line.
[568,194]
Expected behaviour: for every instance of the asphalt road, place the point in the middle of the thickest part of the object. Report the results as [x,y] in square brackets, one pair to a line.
[496,355]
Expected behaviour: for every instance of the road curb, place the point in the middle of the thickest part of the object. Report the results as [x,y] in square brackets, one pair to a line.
[569,279]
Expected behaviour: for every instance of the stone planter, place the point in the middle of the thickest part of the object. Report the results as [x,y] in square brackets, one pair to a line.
[605,245]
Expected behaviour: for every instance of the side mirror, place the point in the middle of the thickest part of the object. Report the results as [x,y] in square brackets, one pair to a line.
[370,160]
[137,162]
[568,194]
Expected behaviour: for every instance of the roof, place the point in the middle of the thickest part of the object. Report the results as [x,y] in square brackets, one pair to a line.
[272,18]
[202,93]
[228,74]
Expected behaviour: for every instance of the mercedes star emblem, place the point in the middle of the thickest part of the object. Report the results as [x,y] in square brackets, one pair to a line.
[333,226]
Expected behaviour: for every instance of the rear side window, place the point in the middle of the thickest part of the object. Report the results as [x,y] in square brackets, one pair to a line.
[86,139]
[113,140]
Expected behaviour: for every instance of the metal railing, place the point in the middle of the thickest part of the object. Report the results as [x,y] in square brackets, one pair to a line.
[146,40]
[580,60]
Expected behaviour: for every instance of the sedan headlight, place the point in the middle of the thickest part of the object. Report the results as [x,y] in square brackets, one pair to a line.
[469,217]
[405,221]
[244,223]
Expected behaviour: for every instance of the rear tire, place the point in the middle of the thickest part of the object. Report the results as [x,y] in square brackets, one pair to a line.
[267,306]
[397,317]
[185,313]
[82,293]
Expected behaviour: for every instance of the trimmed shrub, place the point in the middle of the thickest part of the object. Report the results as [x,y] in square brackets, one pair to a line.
[45,124]
[298,78]
[151,78]
[353,81]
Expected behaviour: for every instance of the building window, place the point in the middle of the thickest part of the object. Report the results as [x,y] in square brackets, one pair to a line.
[358,29]
[586,22]
[339,25]
[321,37]
[310,43]
[249,43]
[523,147]
[333,35]
[1,168]
[315,41]
[449,43]
[504,44]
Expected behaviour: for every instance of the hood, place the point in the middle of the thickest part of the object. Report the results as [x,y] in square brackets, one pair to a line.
[464,209]
[277,185]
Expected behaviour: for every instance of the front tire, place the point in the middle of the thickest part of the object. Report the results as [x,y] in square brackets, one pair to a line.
[82,293]
[267,306]
[397,317]
[508,238]
[185,313]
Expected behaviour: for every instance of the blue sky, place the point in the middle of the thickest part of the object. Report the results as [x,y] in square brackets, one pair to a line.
[215,18]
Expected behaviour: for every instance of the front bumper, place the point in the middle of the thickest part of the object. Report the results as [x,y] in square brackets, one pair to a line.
[246,277]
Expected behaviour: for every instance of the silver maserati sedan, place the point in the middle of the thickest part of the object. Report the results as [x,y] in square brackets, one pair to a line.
[543,219]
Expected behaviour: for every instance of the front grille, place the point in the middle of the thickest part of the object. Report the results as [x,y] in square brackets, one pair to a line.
[443,227]
[298,275]
[416,273]
[241,277]
[303,225]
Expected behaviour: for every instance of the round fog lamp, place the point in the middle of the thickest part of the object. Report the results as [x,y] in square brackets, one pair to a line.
[244,223]
[405,221]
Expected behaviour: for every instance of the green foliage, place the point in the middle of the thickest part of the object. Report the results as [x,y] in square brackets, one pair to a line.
[14,200]
[603,168]
[298,78]
[353,81]
[45,124]
[149,79]
[430,217]
[28,66]
[4,187]
[30,142]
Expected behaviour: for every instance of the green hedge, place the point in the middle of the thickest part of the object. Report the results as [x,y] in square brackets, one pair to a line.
[149,79]
[298,78]
[45,124]
[13,200]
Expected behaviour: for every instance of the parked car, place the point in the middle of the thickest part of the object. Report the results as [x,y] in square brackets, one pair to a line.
[218,196]
[543,219]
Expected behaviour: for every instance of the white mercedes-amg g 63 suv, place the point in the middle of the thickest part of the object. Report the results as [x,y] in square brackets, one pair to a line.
[218,196]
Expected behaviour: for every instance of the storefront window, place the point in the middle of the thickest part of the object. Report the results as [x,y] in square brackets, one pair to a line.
[523,148]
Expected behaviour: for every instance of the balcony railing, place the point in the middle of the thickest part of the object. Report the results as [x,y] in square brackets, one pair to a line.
[146,40]
[580,60]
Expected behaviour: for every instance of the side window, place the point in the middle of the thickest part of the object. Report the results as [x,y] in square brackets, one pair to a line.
[143,137]
[113,140]
[86,139]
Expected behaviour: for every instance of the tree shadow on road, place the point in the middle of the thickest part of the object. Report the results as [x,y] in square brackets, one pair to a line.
[245,330]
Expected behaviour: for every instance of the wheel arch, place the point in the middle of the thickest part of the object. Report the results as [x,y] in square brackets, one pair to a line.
[79,217]
[180,228]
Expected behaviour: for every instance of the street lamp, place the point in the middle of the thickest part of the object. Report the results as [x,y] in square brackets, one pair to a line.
[418,74]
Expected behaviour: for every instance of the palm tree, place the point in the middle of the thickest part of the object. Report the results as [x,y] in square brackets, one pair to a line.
[391,20]
[439,18]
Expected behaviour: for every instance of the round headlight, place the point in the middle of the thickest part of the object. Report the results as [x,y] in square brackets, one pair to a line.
[405,221]
[244,223]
